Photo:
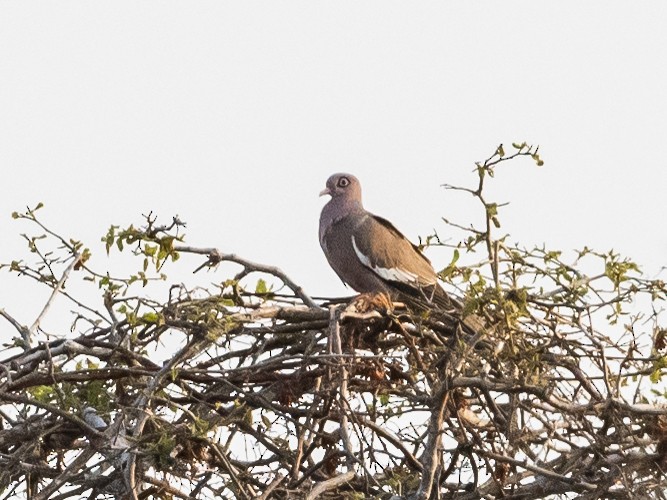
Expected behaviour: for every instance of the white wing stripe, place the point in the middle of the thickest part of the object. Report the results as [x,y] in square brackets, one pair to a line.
[391,274]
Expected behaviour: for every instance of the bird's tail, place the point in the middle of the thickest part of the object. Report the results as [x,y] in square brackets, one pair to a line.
[435,298]
[431,297]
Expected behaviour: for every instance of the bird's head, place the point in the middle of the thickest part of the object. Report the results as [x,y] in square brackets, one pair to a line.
[344,187]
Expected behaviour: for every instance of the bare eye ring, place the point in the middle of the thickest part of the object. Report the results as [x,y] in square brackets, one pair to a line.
[343,182]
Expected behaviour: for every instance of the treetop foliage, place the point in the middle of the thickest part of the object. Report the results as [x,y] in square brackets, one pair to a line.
[547,382]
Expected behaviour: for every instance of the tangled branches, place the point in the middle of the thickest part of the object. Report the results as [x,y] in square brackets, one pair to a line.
[529,391]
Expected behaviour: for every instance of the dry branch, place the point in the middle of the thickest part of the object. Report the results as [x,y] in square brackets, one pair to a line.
[529,391]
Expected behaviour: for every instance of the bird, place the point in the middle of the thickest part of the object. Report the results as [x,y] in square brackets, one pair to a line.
[369,254]
[91,417]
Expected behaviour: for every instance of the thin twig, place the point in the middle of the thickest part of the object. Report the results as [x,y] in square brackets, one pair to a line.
[56,289]
[215,256]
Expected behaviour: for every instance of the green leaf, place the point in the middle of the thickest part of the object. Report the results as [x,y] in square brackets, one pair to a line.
[261,287]
[656,376]
[451,267]
[151,317]
[109,237]
[455,257]
[42,393]
[617,271]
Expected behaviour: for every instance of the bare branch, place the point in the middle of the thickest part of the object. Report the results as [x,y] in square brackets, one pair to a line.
[215,256]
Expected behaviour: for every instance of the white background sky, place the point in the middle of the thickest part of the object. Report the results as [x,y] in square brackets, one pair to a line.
[232,115]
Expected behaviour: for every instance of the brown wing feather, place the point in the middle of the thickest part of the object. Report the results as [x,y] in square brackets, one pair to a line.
[386,247]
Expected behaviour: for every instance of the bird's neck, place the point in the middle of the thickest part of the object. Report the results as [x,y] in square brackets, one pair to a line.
[337,209]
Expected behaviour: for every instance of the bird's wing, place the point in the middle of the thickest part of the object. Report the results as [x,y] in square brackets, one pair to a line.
[391,256]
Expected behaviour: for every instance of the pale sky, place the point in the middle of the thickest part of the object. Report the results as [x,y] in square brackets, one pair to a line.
[233,114]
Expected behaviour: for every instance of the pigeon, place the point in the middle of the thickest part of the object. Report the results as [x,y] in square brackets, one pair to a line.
[369,254]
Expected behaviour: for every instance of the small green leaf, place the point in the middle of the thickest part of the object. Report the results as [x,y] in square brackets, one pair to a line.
[42,393]
[451,267]
[261,287]
[151,317]
[455,257]
[656,376]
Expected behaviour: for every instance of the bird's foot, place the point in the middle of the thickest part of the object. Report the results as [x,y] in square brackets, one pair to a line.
[369,302]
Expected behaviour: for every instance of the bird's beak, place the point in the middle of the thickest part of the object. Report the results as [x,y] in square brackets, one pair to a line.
[325,191]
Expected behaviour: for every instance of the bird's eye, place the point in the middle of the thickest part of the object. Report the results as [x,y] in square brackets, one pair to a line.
[343,182]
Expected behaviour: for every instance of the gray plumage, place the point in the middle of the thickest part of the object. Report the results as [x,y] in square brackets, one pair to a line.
[369,254]
[91,417]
